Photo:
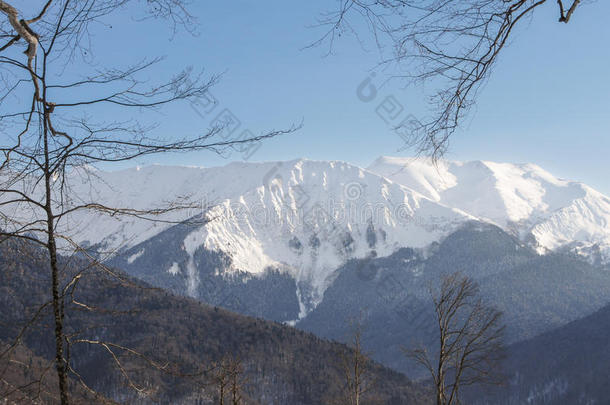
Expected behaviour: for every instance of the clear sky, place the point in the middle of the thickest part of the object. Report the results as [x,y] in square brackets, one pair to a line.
[548,101]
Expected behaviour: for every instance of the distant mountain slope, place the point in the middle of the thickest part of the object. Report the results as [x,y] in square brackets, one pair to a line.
[306,218]
[567,365]
[283,365]
[523,198]
[303,219]
[536,293]
[272,294]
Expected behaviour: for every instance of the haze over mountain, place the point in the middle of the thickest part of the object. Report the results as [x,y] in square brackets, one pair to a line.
[306,218]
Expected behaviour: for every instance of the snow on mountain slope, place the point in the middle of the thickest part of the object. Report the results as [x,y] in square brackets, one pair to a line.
[153,187]
[311,217]
[304,217]
[522,198]
[308,218]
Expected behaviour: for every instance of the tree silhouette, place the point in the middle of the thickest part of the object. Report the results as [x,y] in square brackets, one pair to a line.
[470,340]
[452,44]
[49,134]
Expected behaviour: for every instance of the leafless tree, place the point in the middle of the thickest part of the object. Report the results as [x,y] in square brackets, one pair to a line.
[221,381]
[228,378]
[356,367]
[48,132]
[452,44]
[237,381]
[470,345]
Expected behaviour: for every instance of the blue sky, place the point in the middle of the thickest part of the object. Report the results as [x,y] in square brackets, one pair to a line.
[548,101]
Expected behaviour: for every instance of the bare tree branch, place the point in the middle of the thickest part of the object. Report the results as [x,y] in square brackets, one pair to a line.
[470,340]
[451,44]
[43,145]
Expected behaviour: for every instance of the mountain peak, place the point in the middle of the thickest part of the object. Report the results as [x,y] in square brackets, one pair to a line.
[308,217]
[522,198]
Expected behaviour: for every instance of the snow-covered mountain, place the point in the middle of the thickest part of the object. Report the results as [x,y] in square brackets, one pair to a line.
[307,218]
[521,198]
[304,217]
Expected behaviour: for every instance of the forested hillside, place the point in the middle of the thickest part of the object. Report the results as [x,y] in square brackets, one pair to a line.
[568,365]
[165,345]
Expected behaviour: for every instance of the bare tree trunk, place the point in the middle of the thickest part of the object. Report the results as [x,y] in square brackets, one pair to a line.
[356,381]
[58,316]
[440,383]
[356,368]
[234,389]
[470,340]
[236,372]
[57,311]
[46,142]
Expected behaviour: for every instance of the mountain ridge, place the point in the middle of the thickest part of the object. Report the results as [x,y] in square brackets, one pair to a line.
[306,218]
